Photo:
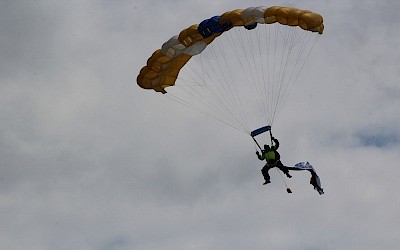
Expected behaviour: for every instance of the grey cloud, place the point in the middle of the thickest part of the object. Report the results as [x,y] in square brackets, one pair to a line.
[91,161]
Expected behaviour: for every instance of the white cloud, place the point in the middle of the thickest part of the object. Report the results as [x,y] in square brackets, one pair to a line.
[91,161]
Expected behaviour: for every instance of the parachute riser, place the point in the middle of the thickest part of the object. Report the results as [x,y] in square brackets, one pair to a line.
[270,135]
[261,130]
[257,143]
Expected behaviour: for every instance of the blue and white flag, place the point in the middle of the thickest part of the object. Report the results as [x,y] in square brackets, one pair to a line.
[315,181]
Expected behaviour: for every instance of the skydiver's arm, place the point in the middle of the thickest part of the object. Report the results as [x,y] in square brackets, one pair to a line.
[260,157]
[276,143]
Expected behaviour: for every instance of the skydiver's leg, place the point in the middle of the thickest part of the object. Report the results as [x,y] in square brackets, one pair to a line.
[264,172]
[283,169]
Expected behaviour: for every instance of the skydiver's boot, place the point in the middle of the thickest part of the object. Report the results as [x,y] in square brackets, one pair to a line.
[266,182]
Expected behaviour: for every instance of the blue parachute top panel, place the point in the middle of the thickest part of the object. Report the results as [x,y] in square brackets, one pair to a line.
[211,26]
[260,131]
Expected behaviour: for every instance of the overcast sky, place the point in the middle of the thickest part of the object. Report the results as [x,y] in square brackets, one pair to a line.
[88,160]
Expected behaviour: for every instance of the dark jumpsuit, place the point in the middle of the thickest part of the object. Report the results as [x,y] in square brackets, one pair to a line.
[273,160]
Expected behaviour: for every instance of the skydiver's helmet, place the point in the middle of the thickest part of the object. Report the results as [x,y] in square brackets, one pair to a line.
[266,148]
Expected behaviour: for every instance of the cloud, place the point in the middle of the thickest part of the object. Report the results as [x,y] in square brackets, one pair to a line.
[91,161]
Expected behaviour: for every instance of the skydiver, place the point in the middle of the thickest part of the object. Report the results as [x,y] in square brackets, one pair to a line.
[272,157]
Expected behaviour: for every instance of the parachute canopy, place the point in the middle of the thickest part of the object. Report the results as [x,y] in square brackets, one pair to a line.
[164,65]
[228,72]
